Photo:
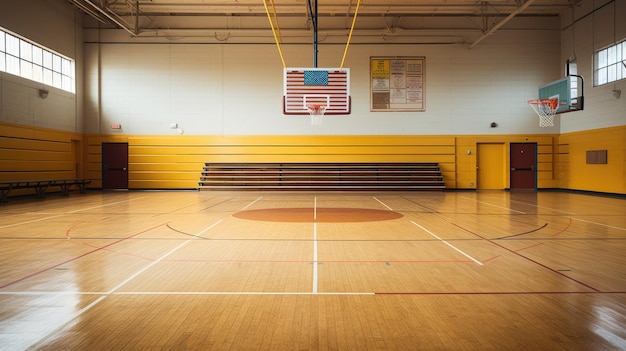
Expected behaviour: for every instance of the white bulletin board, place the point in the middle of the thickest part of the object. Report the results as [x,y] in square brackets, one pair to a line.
[397,84]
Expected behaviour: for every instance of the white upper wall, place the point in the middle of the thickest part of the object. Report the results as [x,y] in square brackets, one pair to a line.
[589,26]
[234,89]
[237,89]
[56,26]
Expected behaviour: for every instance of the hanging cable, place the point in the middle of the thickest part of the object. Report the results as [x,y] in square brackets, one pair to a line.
[280,37]
[280,52]
[345,52]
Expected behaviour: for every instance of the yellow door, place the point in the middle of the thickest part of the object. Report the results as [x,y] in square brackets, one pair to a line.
[490,166]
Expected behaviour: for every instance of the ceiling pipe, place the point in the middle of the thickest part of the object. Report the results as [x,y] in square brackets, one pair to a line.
[503,22]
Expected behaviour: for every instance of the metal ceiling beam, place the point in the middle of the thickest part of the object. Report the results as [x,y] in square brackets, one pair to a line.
[501,23]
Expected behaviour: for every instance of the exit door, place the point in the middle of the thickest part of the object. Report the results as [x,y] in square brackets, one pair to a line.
[491,165]
[523,165]
[114,166]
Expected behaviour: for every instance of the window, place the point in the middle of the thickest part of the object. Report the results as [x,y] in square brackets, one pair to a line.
[28,60]
[610,64]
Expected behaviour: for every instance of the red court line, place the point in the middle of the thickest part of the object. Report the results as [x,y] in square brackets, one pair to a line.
[79,256]
[498,292]
[526,258]
[527,247]
[321,261]
[564,229]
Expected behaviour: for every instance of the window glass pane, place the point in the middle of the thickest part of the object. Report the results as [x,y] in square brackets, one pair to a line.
[13,65]
[66,67]
[47,59]
[601,62]
[602,76]
[612,73]
[37,55]
[47,76]
[57,82]
[2,47]
[3,63]
[26,69]
[611,55]
[66,83]
[37,73]
[56,63]
[13,45]
[26,51]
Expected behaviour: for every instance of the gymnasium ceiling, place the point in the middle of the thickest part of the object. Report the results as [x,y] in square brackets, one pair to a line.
[413,21]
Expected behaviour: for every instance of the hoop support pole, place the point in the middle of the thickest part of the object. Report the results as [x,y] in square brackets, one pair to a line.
[280,52]
[345,52]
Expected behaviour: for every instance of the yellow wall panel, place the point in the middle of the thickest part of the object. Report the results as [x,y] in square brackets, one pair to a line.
[172,161]
[608,177]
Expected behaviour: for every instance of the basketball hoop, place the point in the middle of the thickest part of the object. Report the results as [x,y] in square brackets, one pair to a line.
[545,109]
[317,113]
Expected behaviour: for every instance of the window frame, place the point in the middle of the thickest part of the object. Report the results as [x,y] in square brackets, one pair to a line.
[29,60]
[609,64]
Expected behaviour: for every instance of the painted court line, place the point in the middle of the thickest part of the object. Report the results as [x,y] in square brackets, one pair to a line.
[537,206]
[62,214]
[315,263]
[252,203]
[450,245]
[497,206]
[600,224]
[382,203]
[114,289]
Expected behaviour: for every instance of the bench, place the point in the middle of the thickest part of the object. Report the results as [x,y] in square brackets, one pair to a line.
[321,176]
[40,186]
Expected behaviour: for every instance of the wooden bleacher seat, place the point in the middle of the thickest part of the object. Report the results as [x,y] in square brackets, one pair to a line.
[321,176]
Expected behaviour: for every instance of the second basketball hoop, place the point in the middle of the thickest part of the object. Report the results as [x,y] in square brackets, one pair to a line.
[545,109]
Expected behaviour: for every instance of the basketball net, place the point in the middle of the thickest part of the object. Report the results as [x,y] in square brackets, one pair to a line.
[317,113]
[545,109]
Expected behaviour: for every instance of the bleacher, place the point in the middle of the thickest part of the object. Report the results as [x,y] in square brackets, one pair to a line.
[321,176]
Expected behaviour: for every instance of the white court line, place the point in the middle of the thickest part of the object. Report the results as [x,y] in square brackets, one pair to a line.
[113,290]
[486,203]
[447,243]
[537,206]
[62,214]
[389,208]
[315,263]
[40,293]
[240,293]
[253,202]
[111,204]
[600,224]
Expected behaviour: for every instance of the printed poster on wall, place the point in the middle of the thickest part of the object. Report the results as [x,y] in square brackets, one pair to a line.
[397,84]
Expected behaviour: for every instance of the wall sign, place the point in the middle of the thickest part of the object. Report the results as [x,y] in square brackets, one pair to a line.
[397,84]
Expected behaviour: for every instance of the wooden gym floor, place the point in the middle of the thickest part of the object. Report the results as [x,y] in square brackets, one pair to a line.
[485,270]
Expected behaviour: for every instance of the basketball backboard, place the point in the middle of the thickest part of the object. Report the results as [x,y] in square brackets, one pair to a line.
[569,92]
[329,87]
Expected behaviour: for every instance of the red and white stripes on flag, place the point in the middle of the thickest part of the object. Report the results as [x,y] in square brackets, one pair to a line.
[326,86]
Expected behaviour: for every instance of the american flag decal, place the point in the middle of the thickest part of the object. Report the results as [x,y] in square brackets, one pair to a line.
[326,86]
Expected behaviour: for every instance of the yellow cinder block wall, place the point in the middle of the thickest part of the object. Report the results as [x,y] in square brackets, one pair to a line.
[28,153]
[576,174]
[176,161]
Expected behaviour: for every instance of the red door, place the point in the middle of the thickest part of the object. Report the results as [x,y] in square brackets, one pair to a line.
[523,165]
[114,165]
